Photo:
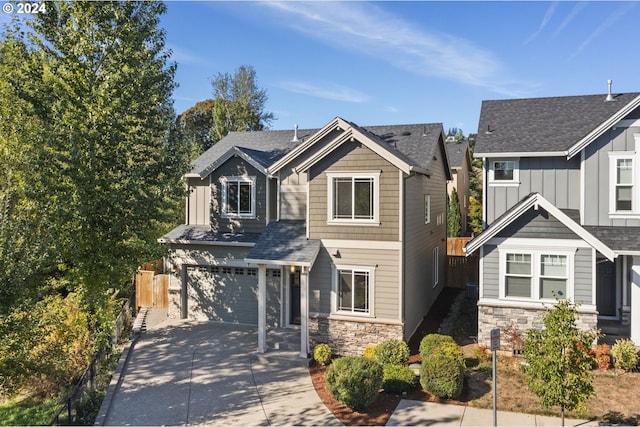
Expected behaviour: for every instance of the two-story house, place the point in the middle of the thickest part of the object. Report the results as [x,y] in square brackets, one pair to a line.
[460,163]
[562,205]
[338,232]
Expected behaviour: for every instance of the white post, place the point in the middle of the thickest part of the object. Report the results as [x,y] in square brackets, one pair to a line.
[262,308]
[304,313]
[635,301]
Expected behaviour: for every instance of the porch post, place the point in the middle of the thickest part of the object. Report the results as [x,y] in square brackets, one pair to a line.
[304,312]
[635,301]
[184,289]
[262,308]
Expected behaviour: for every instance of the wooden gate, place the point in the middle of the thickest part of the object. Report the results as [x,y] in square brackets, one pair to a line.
[152,290]
[461,269]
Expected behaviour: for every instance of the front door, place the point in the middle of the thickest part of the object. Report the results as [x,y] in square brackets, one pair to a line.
[294,297]
[606,288]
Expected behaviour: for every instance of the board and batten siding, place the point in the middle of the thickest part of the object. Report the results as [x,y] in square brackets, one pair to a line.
[555,178]
[597,177]
[198,201]
[354,157]
[236,166]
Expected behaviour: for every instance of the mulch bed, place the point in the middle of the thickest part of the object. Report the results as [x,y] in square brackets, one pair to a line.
[380,411]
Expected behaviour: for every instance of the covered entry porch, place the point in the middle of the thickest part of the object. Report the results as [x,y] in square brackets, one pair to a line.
[284,243]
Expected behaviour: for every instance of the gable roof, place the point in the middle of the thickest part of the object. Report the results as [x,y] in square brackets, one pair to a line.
[410,147]
[548,126]
[535,201]
[458,152]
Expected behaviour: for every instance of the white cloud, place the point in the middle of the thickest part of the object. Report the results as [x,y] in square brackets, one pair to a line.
[183,56]
[368,29]
[547,17]
[323,90]
[574,12]
[608,22]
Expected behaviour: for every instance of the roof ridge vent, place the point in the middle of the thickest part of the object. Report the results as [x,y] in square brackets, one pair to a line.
[609,97]
[295,134]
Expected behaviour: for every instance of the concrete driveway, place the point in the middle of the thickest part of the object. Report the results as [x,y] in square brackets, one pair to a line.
[185,373]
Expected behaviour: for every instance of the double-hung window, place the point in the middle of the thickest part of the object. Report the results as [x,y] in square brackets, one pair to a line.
[353,290]
[535,275]
[239,194]
[622,177]
[353,198]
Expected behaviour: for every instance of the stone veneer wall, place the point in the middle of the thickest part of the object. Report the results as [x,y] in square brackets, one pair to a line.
[490,317]
[347,338]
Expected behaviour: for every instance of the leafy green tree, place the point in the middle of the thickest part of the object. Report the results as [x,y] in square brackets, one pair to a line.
[454,218]
[558,361]
[196,125]
[239,103]
[475,215]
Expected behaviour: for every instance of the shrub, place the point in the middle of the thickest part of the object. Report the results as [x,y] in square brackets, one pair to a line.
[603,356]
[442,375]
[354,381]
[370,350]
[322,354]
[452,350]
[392,352]
[624,353]
[398,379]
[480,352]
[431,342]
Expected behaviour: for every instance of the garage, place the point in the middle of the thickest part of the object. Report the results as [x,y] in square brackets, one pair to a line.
[229,294]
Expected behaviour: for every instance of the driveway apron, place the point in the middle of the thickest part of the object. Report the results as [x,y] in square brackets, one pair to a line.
[189,373]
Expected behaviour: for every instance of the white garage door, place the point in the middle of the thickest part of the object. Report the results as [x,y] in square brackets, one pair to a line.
[229,294]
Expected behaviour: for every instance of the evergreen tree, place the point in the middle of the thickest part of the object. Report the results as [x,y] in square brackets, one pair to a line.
[454,219]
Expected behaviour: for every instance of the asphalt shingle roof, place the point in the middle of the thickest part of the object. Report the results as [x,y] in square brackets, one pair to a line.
[620,239]
[456,152]
[285,241]
[542,124]
[413,143]
[204,234]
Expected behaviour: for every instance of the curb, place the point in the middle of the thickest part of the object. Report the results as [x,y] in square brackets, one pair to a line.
[118,375]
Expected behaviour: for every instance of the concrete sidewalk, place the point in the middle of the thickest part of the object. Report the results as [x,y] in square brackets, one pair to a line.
[413,413]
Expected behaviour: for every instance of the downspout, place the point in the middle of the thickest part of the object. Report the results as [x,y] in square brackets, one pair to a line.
[484,192]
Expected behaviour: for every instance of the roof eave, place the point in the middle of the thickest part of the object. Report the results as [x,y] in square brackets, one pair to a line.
[512,154]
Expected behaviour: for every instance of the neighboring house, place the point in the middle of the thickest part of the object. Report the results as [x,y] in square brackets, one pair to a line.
[562,204]
[460,163]
[339,232]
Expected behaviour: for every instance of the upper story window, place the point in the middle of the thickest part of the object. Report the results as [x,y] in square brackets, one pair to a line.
[239,197]
[623,190]
[353,197]
[504,172]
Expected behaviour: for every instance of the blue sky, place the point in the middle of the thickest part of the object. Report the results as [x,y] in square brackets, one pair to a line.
[403,62]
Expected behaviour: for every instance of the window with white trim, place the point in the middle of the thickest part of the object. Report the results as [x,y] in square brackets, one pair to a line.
[427,208]
[353,197]
[353,290]
[622,178]
[436,266]
[535,275]
[239,197]
[504,171]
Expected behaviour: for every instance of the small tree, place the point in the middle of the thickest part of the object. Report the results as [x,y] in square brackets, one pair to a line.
[454,219]
[558,362]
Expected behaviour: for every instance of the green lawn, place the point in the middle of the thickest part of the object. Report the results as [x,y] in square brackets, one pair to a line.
[28,412]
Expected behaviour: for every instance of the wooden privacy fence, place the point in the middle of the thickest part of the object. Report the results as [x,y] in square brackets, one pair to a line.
[461,269]
[152,289]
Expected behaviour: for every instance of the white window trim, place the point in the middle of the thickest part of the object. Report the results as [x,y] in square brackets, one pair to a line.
[225,189]
[436,266]
[535,272]
[335,269]
[376,198]
[614,156]
[503,183]
[427,208]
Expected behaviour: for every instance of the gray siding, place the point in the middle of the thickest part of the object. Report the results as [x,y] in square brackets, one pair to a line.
[385,265]
[584,276]
[537,225]
[491,272]
[235,166]
[293,195]
[556,178]
[597,176]
[418,242]
[198,200]
[354,157]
